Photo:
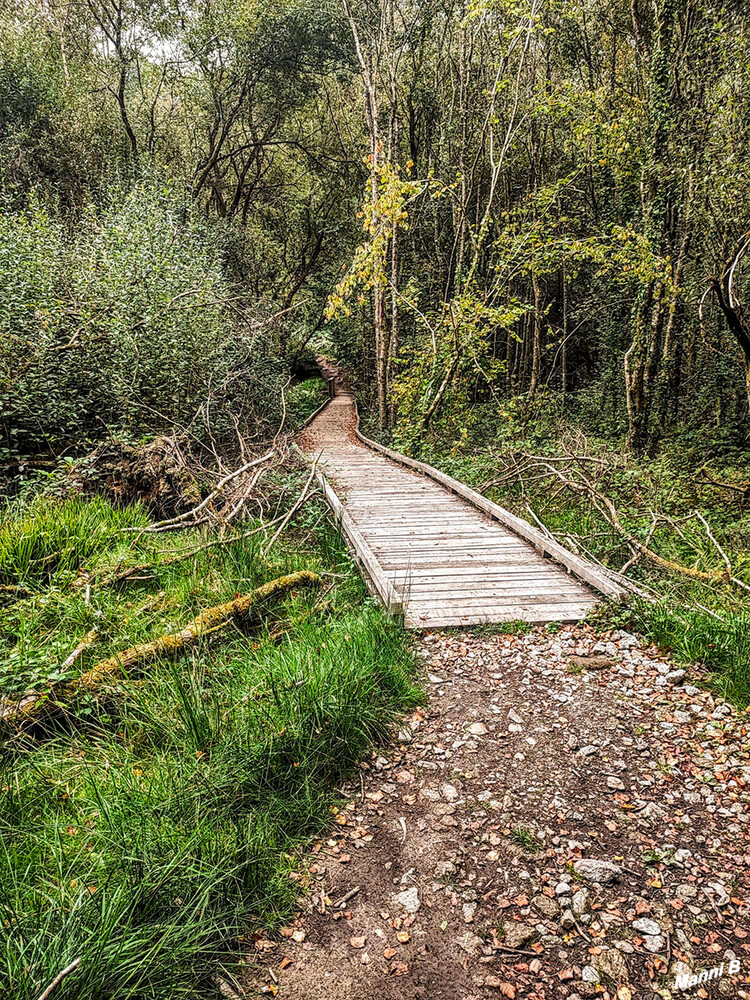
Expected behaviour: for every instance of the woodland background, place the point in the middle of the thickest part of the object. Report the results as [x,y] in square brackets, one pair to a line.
[522,232]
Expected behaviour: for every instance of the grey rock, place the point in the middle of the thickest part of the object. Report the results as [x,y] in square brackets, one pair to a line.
[611,963]
[405,735]
[678,968]
[517,935]
[615,784]
[546,906]
[449,792]
[654,944]
[588,751]
[719,893]
[624,946]
[408,899]
[646,926]
[589,974]
[469,943]
[562,889]
[568,920]
[675,676]
[597,871]
[580,902]
[477,729]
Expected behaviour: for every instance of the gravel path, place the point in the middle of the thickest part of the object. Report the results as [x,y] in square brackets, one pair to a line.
[567,817]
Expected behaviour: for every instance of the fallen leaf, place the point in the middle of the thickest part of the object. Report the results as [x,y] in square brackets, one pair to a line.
[286,961]
[399,969]
[535,966]
[390,952]
[403,936]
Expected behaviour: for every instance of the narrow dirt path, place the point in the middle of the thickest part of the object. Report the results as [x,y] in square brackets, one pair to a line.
[547,827]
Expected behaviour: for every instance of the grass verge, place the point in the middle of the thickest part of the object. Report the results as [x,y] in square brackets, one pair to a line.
[164,821]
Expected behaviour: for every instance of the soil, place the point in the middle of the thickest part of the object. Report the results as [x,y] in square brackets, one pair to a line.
[457,846]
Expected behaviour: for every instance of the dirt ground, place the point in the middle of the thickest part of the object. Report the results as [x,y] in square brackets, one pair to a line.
[566,817]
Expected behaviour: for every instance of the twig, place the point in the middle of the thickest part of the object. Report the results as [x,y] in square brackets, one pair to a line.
[87,640]
[513,951]
[293,509]
[345,899]
[59,978]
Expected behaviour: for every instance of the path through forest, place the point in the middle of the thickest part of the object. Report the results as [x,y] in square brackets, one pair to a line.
[567,817]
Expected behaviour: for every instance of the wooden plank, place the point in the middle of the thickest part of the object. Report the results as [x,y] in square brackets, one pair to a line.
[520,590]
[437,621]
[362,551]
[586,571]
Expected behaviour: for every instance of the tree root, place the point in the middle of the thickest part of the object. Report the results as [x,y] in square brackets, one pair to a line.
[33,706]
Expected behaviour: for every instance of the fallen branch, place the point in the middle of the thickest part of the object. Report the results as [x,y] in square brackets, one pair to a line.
[82,646]
[607,508]
[15,589]
[293,509]
[208,622]
[189,518]
[59,978]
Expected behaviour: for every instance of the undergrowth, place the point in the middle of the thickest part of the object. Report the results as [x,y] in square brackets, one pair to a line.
[162,823]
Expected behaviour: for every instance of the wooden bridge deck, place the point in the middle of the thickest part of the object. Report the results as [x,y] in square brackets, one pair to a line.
[431,554]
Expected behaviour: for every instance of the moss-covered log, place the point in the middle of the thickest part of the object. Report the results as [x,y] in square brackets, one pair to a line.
[241,610]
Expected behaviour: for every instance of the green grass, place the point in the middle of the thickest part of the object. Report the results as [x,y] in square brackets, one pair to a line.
[720,645]
[164,822]
[526,839]
[304,398]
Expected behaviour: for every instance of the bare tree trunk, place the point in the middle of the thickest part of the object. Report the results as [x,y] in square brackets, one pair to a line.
[536,356]
[368,71]
[564,351]
[730,306]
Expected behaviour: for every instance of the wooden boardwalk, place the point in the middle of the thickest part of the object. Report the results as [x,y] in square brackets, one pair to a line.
[432,554]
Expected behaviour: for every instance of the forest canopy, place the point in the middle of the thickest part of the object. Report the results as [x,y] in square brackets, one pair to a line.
[466,203]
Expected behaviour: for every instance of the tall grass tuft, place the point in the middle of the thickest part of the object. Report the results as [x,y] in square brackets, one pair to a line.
[167,821]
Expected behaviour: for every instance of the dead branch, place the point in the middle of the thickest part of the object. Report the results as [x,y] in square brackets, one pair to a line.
[88,640]
[59,978]
[189,518]
[608,510]
[240,610]
[293,509]
[743,490]
[638,553]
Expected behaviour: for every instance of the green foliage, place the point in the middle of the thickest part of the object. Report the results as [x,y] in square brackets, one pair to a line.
[45,543]
[163,824]
[127,325]
[526,839]
[717,642]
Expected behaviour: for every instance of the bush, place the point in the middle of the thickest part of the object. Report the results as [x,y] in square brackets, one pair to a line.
[128,324]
